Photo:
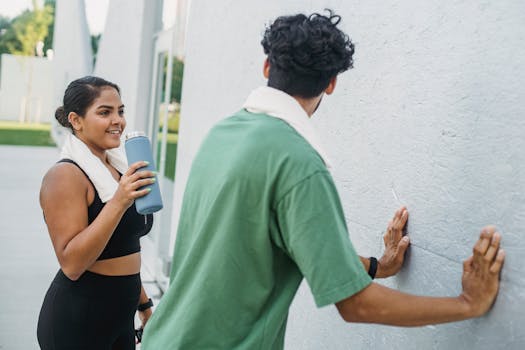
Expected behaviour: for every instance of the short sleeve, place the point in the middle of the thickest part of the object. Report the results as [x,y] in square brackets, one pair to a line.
[315,236]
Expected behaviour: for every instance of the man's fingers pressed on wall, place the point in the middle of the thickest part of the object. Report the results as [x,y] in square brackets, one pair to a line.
[481,246]
[498,262]
[467,264]
[493,247]
[403,219]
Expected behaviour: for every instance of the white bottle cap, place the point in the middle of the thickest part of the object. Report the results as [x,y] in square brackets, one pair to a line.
[133,134]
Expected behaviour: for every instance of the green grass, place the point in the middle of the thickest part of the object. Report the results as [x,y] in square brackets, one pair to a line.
[15,133]
[171,154]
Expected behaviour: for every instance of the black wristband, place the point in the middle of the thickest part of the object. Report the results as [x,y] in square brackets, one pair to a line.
[145,306]
[372,269]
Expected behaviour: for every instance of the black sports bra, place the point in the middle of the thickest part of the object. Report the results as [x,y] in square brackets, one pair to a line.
[132,226]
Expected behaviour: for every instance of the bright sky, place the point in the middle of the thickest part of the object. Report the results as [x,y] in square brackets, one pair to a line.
[95,11]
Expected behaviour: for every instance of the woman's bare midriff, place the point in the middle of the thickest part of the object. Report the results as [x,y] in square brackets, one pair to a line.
[121,266]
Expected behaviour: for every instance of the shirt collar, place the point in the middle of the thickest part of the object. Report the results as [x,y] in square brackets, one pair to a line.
[279,104]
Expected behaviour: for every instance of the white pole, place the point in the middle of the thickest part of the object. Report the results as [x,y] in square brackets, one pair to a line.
[167,93]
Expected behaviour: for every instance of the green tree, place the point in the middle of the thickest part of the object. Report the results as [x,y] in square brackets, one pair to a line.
[26,30]
[5,33]
[176,78]
[48,41]
[4,23]
[95,39]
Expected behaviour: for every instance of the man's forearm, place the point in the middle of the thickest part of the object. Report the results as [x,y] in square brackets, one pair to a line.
[379,304]
[480,285]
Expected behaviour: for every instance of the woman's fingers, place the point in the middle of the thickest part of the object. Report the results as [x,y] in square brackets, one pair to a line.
[140,176]
[134,180]
[144,182]
[135,166]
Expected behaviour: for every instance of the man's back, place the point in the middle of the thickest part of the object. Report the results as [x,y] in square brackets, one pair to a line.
[234,271]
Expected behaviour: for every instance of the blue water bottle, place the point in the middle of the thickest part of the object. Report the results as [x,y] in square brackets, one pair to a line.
[138,148]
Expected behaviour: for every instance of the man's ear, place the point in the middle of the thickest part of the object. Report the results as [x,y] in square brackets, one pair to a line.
[266,68]
[75,120]
[331,86]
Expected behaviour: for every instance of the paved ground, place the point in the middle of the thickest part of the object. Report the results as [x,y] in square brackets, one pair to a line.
[27,261]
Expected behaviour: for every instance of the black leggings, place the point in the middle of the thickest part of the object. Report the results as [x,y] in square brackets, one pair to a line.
[94,312]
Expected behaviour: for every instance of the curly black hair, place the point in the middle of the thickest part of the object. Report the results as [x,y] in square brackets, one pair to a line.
[306,52]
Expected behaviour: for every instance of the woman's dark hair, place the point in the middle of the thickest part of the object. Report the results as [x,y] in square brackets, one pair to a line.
[306,52]
[79,95]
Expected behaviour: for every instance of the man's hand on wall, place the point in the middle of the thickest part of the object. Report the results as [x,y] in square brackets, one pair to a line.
[481,272]
[395,245]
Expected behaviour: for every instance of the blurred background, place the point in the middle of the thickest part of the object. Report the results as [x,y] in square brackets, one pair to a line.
[44,45]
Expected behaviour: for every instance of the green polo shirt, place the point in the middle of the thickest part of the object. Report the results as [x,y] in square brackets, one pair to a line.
[259,213]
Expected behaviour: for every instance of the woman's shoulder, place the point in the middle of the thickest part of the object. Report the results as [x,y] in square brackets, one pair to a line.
[64,170]
[65,178]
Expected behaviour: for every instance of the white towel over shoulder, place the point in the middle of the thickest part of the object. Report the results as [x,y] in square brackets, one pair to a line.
[280,105]
[97,172]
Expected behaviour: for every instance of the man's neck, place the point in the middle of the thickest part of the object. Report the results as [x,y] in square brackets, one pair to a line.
[309,105]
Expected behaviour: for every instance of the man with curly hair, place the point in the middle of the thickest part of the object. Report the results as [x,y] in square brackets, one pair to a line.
[261,212]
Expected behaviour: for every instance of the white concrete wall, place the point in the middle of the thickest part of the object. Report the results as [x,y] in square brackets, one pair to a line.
[26,89]
[432,111]
[73,56]
[125,54]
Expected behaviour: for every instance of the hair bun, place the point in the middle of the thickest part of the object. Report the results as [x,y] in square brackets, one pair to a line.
[61,117]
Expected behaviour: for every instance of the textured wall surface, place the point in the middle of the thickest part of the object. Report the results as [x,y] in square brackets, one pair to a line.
[73,56]
[125,54]
[431,114]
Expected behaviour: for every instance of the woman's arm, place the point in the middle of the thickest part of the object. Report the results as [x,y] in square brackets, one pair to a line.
[64,200]
[146,313]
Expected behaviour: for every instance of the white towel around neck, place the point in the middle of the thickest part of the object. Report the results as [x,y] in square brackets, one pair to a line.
[279,104]
[98,173]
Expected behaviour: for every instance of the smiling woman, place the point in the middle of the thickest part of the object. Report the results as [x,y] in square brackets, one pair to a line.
[102,125]
[88,204]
